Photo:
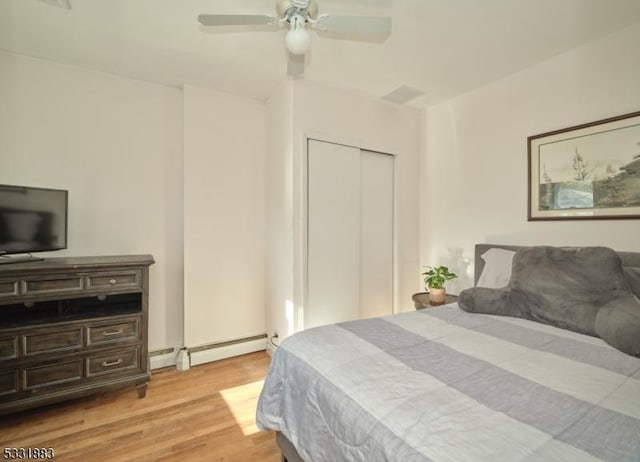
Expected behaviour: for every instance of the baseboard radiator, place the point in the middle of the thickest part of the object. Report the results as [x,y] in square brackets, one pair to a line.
[162,358]
[222,350]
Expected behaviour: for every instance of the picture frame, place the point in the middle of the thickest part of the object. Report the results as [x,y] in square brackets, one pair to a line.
[586,172]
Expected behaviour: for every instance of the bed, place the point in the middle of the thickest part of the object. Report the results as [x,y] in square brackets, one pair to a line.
[443,384]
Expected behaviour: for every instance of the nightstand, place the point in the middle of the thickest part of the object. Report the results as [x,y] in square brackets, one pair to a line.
[421,300]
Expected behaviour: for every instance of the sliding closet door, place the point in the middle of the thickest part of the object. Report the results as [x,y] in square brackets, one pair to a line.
[349,234]
[376,234]
[333,234]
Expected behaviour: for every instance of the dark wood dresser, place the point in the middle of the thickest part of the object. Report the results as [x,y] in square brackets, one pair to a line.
[71,327]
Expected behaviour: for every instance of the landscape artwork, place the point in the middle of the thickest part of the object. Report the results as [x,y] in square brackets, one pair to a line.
[590,171]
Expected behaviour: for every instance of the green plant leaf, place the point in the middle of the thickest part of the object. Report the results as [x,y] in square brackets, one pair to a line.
[436,276]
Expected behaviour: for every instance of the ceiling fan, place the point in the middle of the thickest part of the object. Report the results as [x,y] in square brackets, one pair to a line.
[297,15]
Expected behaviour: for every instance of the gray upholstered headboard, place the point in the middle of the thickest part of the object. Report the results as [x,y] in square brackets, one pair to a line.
[629,259]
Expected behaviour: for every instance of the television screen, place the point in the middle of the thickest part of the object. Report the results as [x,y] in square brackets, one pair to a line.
[32,219]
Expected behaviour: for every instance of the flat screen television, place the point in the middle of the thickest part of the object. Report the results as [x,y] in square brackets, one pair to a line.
[31,220]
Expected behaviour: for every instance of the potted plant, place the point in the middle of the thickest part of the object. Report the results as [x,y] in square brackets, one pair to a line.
[435,278]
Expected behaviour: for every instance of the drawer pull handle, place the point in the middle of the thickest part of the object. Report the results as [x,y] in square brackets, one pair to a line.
[115,332]
[112,363]
[112,281]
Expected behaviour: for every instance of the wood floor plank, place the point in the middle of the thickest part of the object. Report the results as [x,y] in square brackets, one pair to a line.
[206,413]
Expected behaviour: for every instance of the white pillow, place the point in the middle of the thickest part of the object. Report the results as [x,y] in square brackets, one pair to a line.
[497,268]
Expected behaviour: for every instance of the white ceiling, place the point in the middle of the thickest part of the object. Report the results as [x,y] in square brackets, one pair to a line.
[440,47]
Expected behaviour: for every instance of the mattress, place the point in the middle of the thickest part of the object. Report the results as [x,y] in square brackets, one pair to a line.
[441,384]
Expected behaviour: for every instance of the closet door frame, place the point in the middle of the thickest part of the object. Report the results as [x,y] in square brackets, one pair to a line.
[301,282]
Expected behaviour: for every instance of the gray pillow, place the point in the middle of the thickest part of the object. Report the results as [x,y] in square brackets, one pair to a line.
[565,287]
[633,278]
[618,324]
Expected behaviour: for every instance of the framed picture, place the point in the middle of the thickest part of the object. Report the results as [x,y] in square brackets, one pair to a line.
[586,172]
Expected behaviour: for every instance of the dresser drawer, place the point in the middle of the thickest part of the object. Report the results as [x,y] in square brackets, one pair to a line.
[112,362]
[8,347]
[8,382]
[52,374]
[52,285]
[113,332]
[9,288]
[52,340]
[129,280]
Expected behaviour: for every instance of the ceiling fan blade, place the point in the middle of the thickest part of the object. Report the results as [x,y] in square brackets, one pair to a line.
[236,19]
[368,28]
[295,66]
[61,3]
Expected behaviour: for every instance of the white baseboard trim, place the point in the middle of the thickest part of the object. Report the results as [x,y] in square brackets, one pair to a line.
[165,360]
[227,351]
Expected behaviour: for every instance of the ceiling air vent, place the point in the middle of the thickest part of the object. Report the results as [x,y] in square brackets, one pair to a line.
[403,94]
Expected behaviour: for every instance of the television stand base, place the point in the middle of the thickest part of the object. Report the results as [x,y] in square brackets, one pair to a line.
[18,259]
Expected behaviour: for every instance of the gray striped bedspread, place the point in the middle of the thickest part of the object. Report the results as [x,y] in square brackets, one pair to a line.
[441,384]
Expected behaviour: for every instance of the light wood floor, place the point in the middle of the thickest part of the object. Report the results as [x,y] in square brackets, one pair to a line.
[206,413]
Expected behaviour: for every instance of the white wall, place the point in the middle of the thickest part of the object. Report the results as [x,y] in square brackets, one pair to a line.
[474,168]
[333,114]
[279,276]
[116,145]
[224,145]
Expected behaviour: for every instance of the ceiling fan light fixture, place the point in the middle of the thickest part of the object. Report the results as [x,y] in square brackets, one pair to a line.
[297,39]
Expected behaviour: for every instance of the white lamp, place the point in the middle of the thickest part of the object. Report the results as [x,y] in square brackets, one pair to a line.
[297,38]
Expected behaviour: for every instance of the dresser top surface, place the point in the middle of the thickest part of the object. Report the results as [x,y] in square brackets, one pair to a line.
[77,263]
